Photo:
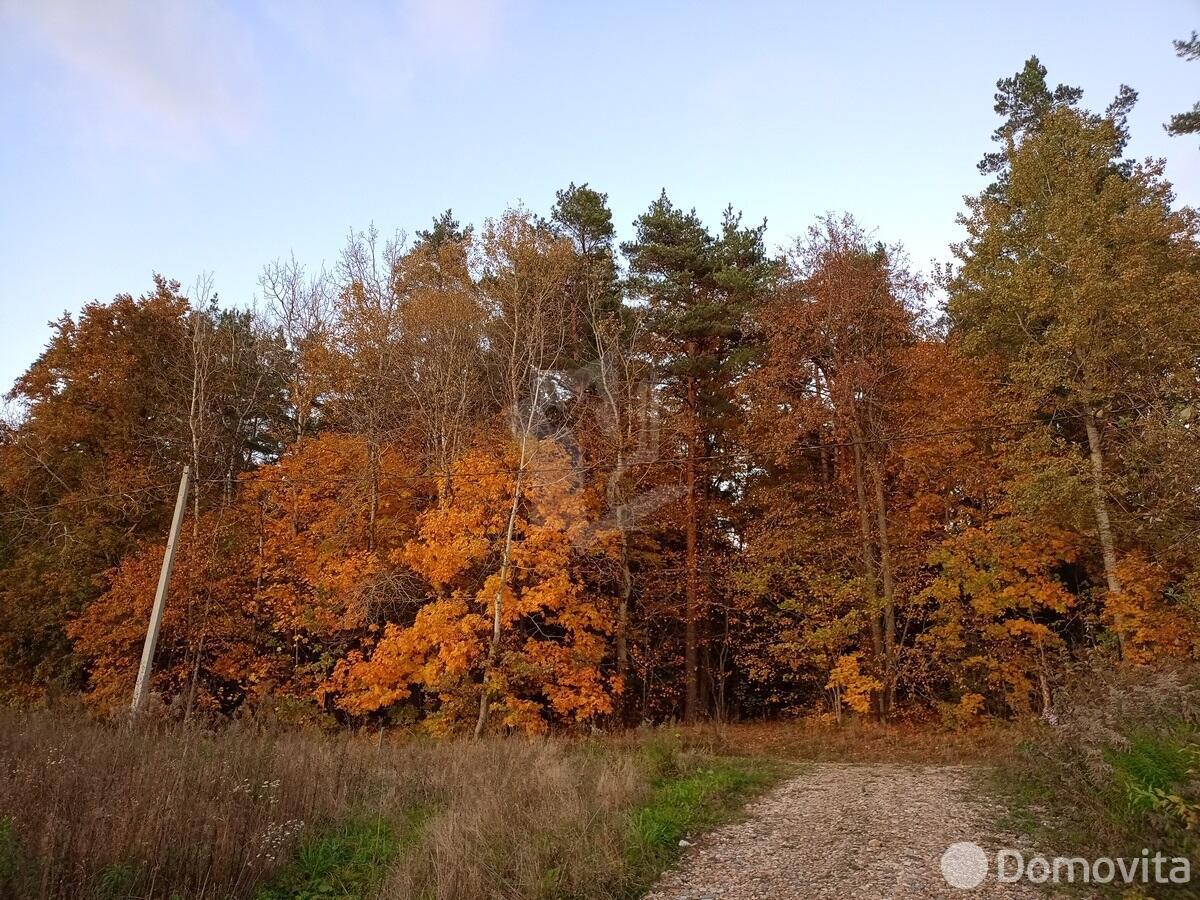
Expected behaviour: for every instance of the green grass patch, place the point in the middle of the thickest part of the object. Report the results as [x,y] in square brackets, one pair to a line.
[687,798]
[1152,765]
[18,874]
[117,882]
[10,851]
[1140,792]
[344,863]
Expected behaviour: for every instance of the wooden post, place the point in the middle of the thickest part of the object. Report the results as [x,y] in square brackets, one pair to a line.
[141,688]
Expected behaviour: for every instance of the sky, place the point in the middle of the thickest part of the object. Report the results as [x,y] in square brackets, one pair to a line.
[212,136]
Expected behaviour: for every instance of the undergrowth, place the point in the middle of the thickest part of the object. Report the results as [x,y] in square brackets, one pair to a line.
[102,811]
[1119,772]
[685,803]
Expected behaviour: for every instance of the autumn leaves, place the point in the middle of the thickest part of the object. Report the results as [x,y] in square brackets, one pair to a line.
[527,479]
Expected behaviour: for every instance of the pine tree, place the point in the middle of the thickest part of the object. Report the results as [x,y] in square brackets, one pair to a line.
[698,291]
[1186,122]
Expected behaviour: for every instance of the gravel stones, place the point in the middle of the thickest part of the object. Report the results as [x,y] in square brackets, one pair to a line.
[846,831]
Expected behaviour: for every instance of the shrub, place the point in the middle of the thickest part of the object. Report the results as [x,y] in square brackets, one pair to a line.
[1120,770]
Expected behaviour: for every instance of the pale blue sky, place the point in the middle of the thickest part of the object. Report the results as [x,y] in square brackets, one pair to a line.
[213,136]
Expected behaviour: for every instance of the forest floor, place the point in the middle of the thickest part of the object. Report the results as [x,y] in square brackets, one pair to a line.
[848,830]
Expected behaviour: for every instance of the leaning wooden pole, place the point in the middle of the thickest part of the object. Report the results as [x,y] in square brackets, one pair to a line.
[141,688]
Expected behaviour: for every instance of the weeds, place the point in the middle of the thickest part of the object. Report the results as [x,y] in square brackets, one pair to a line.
[106,812]
[96,809]
[1119,772]
[683,805]
[345,862]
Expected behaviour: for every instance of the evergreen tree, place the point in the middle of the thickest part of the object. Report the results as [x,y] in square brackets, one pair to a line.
[581,214]
[445,229]
[1186,122]
[698,290]
[1025,100]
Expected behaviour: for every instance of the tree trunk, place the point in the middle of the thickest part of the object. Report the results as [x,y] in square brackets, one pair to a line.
[827,454]
[868,554]
[191,697]
[622,636]
[194,428]
[498,604]
[1100,502]
[888,612]
[373,511]
[1044,682]
[691,700]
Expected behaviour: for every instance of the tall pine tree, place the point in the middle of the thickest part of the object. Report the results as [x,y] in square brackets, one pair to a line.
[698,291]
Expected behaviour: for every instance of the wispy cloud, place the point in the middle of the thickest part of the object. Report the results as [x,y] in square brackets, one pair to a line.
[187,72]
[190,76]
[378,50]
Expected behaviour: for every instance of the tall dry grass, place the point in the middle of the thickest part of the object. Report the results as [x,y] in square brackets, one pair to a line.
[90,809]
[1119,770]
[520,819]
[100,810]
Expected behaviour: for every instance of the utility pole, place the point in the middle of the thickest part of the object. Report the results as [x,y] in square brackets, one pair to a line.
[141,688]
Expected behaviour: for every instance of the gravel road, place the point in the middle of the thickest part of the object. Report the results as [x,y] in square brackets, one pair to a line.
[846,831]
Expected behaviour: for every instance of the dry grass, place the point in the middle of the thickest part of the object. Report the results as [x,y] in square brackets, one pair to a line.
[1119,771]
[99,810]
[858,740]
[521,819]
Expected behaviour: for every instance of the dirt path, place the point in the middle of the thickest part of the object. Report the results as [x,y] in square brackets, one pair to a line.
[846,831]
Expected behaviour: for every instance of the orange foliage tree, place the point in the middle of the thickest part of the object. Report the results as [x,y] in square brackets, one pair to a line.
[324,521]
[216,649]
[550,668]
[998,612]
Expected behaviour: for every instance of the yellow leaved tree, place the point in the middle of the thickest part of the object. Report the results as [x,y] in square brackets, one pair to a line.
[480,551]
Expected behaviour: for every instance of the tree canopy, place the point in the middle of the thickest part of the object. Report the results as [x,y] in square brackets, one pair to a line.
[519,475]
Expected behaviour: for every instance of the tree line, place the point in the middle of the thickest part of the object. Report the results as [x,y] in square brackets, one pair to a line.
[525,477]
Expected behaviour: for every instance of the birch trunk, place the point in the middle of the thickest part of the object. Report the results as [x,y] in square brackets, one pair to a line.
[1108,548]
[1100,501]
[498,605]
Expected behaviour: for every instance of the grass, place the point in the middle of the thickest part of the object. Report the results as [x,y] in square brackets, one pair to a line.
[682,805]
[12,863]
[344,862]
[1113,811]
[98,809]
[601,819]
[1152,763]
[103,811]
[866,741]
[1119,773]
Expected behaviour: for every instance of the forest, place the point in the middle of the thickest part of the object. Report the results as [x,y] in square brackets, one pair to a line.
[521,476]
